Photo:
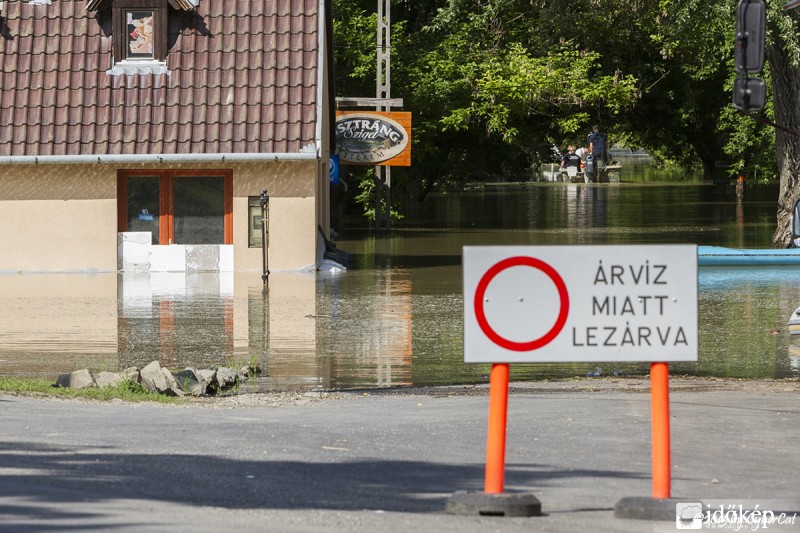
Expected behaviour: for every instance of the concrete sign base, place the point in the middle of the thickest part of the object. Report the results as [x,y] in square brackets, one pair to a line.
[502,504]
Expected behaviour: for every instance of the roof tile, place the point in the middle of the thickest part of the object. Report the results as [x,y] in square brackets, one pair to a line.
[240,82]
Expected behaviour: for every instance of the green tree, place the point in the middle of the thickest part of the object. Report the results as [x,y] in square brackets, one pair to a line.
[490,100]
[354,27]
[783,56]
[493,84]
[681,54]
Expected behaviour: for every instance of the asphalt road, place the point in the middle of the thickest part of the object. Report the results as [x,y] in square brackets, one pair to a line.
[389,460]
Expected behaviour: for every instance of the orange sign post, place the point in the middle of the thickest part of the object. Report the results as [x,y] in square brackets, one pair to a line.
[659,397]
[493,501]
[496,441]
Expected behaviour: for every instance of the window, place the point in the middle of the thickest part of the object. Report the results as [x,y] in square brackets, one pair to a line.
[139,34]
[143,205]
[140,30]
[177,207]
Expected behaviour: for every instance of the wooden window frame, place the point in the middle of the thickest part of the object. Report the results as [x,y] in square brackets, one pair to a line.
[166,197]
[120,33]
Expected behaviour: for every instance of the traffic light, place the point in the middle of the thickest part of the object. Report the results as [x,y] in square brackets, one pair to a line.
[750,30]
[749,94]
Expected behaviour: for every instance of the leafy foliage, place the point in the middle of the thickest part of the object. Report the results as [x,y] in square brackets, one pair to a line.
[494,84]
[366,199]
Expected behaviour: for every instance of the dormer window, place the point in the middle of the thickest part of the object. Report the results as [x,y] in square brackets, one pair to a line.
[139,30]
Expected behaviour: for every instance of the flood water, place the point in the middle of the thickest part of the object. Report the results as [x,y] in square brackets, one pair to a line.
[395,318]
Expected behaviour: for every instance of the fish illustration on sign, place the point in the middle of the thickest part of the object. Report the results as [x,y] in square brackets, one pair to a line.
[368,139]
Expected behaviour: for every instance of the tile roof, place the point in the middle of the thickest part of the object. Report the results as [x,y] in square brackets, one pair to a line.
[242,78]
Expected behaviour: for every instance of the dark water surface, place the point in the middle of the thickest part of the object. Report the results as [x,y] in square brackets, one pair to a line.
[396,317]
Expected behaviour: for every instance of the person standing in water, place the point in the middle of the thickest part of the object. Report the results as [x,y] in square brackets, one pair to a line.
[598,144]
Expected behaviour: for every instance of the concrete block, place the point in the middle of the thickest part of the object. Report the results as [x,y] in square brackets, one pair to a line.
[503,504]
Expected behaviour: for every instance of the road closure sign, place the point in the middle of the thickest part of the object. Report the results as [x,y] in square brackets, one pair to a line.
[532,304]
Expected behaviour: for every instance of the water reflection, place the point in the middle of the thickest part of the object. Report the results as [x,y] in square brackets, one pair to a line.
[364,327]
[179,319]
[743,321]
[395,319]
[56,322]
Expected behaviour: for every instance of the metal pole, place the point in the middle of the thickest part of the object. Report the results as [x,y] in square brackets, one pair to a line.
[383,89]
[264,201]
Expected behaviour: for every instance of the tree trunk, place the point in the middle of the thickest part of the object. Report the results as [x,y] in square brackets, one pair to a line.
[786,98]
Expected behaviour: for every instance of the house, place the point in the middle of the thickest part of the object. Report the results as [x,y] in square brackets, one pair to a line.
[141,133]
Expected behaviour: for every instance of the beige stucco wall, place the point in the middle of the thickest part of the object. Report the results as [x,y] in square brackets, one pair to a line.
[58,218]
[292,216]
[64,217]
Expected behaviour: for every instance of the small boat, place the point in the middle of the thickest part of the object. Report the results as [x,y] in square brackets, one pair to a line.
[608,174]
[794,358]
[720,256]
[794,322]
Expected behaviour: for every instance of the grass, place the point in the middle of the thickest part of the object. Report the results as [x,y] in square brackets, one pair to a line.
[127,391]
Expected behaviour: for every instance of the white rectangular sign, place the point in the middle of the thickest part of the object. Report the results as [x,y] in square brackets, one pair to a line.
[530,304]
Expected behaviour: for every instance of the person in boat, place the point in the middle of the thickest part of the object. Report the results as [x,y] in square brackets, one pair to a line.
[570,158]
[598,144]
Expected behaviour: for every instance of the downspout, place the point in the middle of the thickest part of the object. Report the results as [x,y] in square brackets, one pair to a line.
[331,74]
[322,15]
[322,186]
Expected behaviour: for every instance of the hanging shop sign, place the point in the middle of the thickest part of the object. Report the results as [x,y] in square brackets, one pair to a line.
[375,138]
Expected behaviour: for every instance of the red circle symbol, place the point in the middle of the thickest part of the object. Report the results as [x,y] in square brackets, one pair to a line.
[480,293]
